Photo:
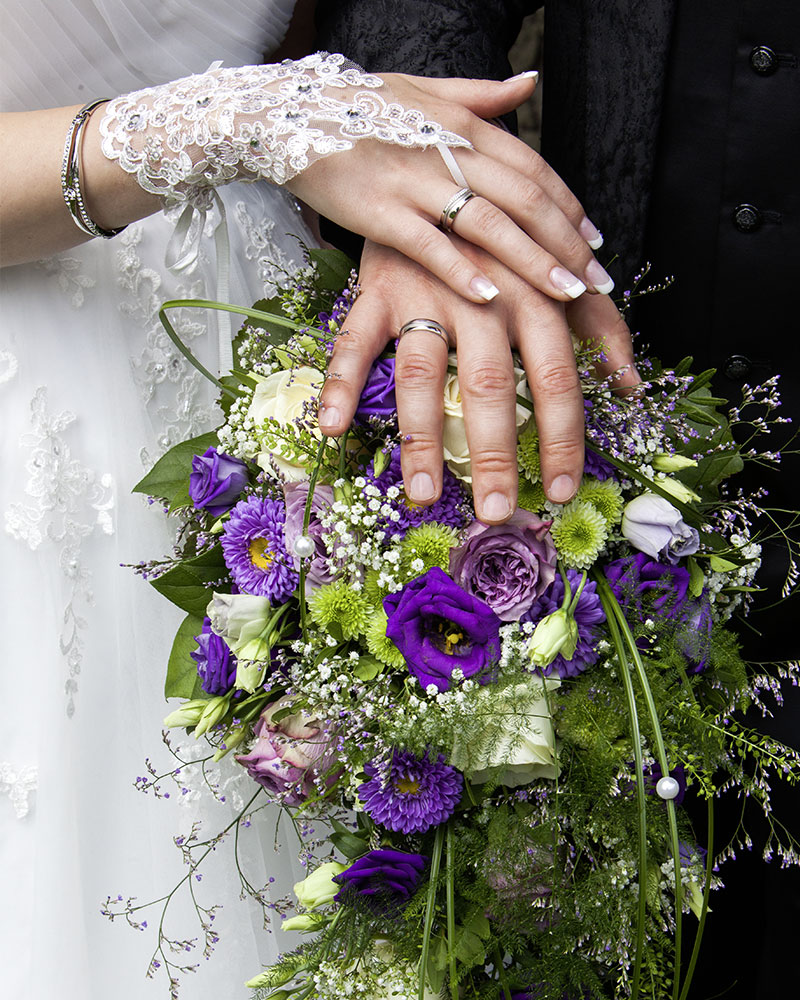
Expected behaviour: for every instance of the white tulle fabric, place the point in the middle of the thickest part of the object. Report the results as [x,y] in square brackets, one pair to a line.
[91,392]
[256,123]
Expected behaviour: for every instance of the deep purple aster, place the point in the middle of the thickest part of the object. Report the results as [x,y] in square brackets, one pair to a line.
[587,613]
[641,583]
[216,664]
[450,509]
[409,794]
[438,626]
[384,879]
[378,395]
[255,552]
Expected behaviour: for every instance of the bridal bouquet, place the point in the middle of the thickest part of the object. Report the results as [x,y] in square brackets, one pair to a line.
[495,725]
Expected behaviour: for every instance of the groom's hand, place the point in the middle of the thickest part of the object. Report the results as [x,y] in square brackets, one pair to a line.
[395,290]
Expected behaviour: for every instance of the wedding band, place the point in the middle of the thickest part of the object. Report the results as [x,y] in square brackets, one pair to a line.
[454,206]
[424,326]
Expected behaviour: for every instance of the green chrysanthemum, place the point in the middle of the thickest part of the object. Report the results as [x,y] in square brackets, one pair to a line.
[429,542]
[605,497]
[528,452]
[379,644]
[337,604]
[373,593]
[530,495]
[579,533]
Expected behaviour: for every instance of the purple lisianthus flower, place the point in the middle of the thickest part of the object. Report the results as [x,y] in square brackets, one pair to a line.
[689,854]
[378,396]
[255,551]
[639,581]
[450,509]
[693,636]
[409,794]
[318,569]
[438,626]
[506,565]
[655,526]
[384,879]
[587,613]
[216,481]
[216,664]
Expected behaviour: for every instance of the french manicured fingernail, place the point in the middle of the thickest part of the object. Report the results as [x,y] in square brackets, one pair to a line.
[496,507]
[483,287]
[598,277]
[566,282]
[421,487]
[329,416]
[591,233]
[529,74]
[561,489]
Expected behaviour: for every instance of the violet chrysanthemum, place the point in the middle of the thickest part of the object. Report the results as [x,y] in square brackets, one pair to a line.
[409,794]
[450,509]
[255,552]
[588,613]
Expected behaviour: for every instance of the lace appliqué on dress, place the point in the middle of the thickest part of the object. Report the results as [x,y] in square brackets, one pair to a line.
[275,269]
[67,273]
[67,503]
[255,122]
[18,783]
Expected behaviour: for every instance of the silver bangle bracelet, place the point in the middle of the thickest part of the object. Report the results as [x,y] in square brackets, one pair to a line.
[71,175]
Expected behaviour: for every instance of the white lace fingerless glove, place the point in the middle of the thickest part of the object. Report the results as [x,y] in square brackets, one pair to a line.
[255,122]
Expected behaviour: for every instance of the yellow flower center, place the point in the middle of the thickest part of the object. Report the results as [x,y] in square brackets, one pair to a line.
[260,554]
[407,786]
[452,637]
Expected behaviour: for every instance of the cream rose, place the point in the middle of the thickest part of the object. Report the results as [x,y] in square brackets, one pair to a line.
[284,396]
[454,435]
[524,747]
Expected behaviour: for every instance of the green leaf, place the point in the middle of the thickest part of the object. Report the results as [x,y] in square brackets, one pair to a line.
[169,477]
[182,677]
[349,844]
[479,924]
[279,333]
[469,947]
[333,268]
[696,578]
[368,668]
[190,583]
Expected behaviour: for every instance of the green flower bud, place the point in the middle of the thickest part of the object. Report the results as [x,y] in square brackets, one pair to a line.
[662,462]
[556,633]
[188,714]
[216,709]
[303,922]
[318,889]
[677,489]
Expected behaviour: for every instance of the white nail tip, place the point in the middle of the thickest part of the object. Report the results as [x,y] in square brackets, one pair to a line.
[489,293]
[575,290]
[605,288]
[596,243]
[529,74]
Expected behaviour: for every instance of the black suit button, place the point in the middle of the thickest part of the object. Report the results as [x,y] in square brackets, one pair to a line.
[737,367]
[746,218]
[763,60]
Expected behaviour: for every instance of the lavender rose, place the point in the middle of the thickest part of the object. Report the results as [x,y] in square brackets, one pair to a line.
[317,569]
[216,481]
[377,396]
[438,626]
[288,756]
[654,526]
[216,664]
[383,878]
[506,565]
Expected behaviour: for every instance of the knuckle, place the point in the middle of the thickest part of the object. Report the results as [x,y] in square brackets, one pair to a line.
[532,198]
[562,452]
[414,367]
[556,378]
[486,378]
[495,461]
[418,444]
[486,217]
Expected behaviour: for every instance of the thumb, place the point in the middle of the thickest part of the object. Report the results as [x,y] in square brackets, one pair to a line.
[484,98]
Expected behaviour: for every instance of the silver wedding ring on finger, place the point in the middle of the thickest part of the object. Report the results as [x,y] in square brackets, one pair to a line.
[424,326]
[454,206]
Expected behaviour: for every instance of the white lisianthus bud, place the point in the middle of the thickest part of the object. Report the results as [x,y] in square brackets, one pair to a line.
[654,526]
[216,708]
[318,889]
[241,620]
[678,490]
[662,462]
[556,633]
[188,714]
[302,922]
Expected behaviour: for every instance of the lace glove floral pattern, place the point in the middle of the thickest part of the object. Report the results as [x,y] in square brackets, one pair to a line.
[255,122]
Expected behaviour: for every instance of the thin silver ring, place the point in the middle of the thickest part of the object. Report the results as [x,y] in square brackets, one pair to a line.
[454,206]
[424,326]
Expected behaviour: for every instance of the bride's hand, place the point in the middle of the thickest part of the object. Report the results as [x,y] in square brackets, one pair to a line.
[524,214]
[396,290]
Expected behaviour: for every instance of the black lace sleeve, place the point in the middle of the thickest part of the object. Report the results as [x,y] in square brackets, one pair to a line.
[425,37]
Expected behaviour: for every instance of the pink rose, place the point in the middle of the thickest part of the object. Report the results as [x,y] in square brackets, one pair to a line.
[289,756]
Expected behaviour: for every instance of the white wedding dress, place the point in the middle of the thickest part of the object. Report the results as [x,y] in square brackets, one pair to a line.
[91,392]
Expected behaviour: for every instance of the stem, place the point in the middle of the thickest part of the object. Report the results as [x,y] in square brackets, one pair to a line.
[501,972]
[604,592]
[704,910]
[306,521]
[451,914]
[436,861]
